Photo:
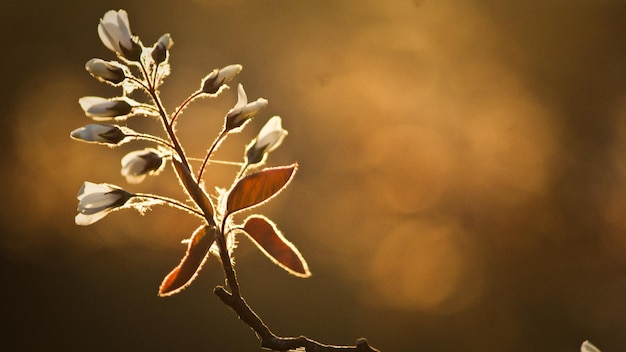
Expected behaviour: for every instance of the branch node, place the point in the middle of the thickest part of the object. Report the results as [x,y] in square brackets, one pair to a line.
[363,345]
[224,295]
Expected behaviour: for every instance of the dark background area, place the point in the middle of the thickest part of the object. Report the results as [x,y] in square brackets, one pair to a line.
[462,180]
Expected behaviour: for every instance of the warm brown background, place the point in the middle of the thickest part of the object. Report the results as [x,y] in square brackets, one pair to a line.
[462,182]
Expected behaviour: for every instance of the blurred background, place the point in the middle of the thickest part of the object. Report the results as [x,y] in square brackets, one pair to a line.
[462,180]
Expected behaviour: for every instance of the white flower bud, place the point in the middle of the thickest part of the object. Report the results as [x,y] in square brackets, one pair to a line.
[218,77]
[101,109]
[161,47]
[99,133]
[269,138]
[139,163]
[166,41]
[95,201]
[588,347]
[243,111]
[114,31]
[105,71]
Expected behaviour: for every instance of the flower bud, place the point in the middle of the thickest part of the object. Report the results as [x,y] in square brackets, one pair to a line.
[161,47]
[588,347]
[114,31]
[99,133]
[218,77]
[139,163]
[95,201]
[100,108]
[105,71]
[269,138]
[243,111]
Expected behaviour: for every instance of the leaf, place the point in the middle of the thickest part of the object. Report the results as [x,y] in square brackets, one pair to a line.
[258,187]
[273,244]
[184,274]
[193,189]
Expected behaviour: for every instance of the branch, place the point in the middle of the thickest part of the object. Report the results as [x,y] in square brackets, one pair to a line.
[275,343]
[268,339]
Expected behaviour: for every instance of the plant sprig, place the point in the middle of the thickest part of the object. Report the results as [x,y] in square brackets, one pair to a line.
[142,68]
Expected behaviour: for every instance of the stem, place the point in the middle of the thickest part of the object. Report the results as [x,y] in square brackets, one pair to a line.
[215,161]
[191,184]
[275,343]
[216,142]
[171,202]
[143,85]
[168,128]
[242,171]
[170,132]
[155,71]
[229,271]
[149,137]
[183,105]
[149,108]
[268,339]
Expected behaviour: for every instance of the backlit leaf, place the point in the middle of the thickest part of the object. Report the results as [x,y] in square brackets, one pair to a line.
[191,186]
[192,262]
[258,187]
[273,244]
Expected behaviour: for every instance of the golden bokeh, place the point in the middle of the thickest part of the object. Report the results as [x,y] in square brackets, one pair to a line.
[461,180]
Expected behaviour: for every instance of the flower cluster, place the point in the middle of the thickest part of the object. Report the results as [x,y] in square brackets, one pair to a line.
[137,67]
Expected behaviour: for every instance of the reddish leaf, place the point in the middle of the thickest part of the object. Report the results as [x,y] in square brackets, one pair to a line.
[259,187]
[192,262]
[271,242]
[193,189]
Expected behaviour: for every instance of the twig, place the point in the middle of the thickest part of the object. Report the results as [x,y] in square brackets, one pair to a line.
[275,343]
[268,339]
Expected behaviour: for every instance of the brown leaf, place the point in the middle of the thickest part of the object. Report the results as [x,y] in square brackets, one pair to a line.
[274,245]
[258,187]
[192,262]
[193,189]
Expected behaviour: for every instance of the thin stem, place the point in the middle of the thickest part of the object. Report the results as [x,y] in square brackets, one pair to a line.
[242,171]
[154,74]
[149,137]
[183,105]
[171,202]
[138,81]
[144,71]
[170,131]
[149,108]
[191,184]
[222,162]
[168,128]
[214,146]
